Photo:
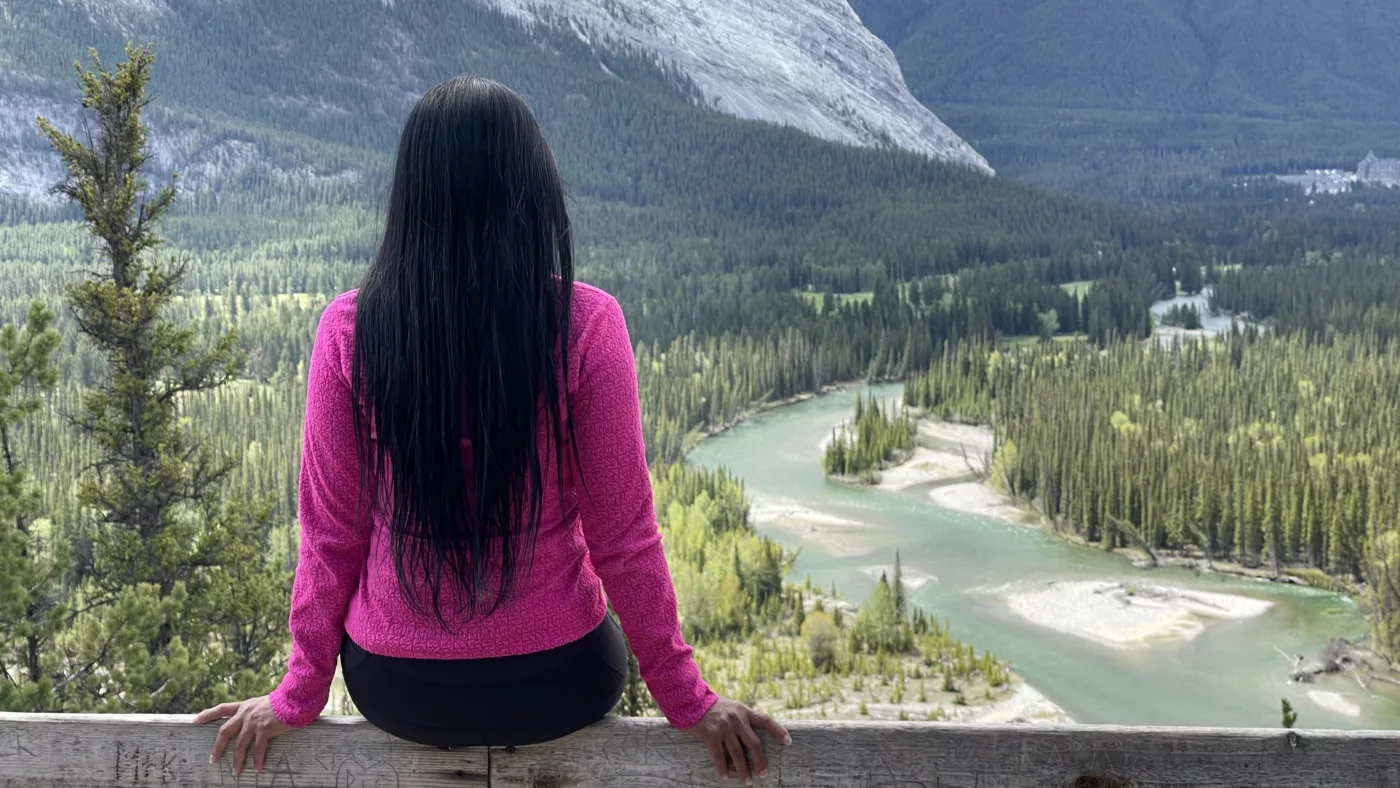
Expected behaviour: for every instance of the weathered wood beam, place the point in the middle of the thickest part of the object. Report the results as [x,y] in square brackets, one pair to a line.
[924,755]
[146,751]
[46,751]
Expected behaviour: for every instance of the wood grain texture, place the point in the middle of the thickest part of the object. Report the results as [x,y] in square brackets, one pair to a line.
[86,751]
[147,751]
[923,755]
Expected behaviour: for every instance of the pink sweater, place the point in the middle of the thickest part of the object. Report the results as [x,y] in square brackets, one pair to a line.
[604,538]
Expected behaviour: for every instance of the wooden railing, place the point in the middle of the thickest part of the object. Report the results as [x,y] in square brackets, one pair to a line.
[86,751]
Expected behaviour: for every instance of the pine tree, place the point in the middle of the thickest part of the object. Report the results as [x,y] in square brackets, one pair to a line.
[1290,717]
[1192,278]
[898,585]
[183,608]
[879,628]
[31,562]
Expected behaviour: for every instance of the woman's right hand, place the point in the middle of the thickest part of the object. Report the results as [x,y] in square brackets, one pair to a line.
[728,729]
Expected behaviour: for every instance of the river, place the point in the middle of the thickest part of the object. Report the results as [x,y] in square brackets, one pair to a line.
[1229,675]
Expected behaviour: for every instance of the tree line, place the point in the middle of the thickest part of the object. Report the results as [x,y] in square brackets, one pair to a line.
[1267,450]
[1348,295]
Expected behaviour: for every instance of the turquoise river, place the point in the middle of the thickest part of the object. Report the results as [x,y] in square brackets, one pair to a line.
[1231,674]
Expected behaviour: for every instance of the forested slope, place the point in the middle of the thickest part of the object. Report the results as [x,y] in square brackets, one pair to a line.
[315,91]
[704,226]
[1279,58]
[1101,97]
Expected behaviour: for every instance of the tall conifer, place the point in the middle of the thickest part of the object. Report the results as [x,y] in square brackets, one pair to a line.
[181,606]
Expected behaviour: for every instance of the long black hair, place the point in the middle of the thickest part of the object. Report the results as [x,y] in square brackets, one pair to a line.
[462,333]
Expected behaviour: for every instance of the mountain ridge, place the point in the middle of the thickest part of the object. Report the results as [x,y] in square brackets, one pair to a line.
[817,68]
[380,56]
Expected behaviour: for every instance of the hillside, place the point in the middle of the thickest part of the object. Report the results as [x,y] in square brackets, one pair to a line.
[257,97]
[1159,86]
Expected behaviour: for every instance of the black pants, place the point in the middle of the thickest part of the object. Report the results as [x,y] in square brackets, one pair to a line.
[498,702]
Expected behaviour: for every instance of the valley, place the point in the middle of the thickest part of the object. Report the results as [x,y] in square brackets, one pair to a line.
[778,216]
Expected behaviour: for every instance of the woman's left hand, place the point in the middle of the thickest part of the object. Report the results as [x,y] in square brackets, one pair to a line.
[253,722]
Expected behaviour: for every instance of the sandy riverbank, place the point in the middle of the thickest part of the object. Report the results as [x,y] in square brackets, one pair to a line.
[1021,704]
[1127,615]
[834,535]
[944,454]
[1026,704]
[1335,702]
[980,499]
[950,461]
[970,494]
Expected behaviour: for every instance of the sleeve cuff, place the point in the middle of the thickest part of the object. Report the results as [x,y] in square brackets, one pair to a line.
[287,713]
[695,712]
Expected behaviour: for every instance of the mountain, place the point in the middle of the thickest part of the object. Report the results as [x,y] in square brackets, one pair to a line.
[818,70]
[811,65]
[1271,58]
[1156,87]
[271,109]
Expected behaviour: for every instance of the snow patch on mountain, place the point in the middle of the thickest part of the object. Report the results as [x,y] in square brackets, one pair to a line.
[810,64]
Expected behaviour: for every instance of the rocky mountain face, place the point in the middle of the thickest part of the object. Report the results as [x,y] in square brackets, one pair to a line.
[810,64]
[305,91]
[204,158]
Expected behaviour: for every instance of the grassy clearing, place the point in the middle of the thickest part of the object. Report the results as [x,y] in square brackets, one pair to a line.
[815,298]
[1028,340]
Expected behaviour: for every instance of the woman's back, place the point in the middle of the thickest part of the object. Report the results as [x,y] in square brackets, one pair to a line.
[473,474]
[596,522]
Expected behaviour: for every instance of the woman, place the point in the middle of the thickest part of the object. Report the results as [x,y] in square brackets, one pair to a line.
[461,523]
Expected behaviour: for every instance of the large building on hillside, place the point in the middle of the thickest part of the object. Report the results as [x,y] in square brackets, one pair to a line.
[1372,169]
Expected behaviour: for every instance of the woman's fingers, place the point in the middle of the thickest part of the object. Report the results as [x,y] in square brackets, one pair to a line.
[731,731]
[240,750]
[260,751]
[754,747]
[219,712]
[736,755]
[773,728]
[717,753]
[226,731]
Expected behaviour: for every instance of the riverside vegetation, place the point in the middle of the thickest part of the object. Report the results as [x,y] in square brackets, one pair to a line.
[1269,450]
[875,439]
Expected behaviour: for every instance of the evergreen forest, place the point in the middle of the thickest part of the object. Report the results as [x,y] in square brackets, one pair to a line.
[152,388]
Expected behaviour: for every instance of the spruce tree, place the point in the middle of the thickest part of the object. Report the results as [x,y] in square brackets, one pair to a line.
[898,585]
[32,561]
[1192,279]
[182,609]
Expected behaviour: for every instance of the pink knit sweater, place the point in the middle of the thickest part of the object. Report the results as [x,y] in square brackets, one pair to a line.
[604,537]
